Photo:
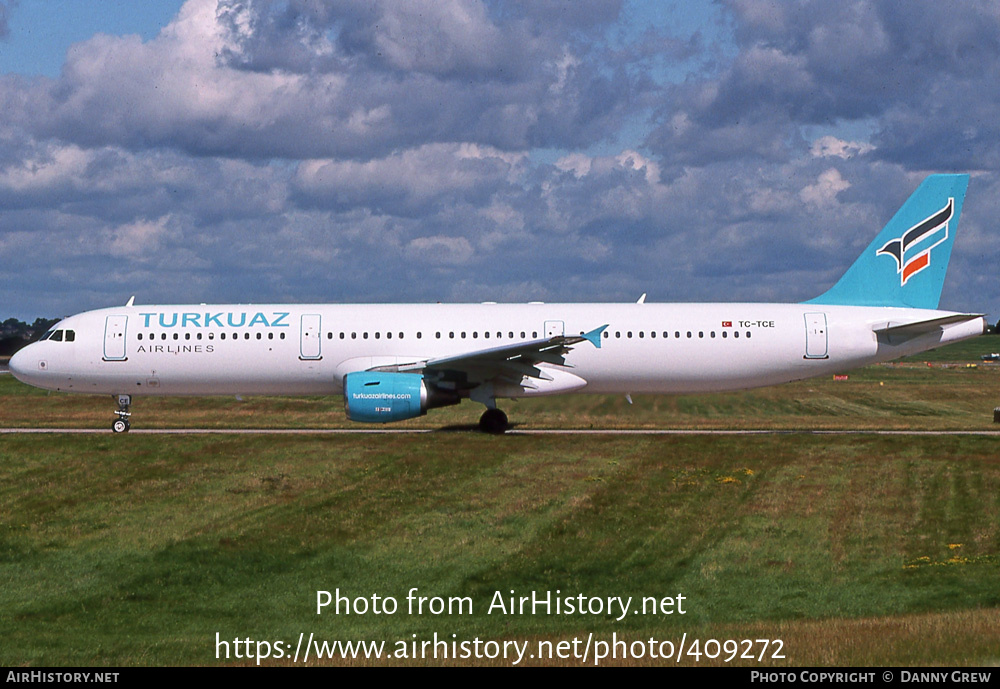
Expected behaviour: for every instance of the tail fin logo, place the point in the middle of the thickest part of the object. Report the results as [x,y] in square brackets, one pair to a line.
[912,251]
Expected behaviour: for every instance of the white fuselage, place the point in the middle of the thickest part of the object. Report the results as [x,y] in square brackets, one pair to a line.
[307,349]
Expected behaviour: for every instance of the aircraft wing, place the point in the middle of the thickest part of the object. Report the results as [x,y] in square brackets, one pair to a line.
[508,362]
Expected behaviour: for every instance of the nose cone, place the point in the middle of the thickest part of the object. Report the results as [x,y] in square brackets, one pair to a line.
[20,364]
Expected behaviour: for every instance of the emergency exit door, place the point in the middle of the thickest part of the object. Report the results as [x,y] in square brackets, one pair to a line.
[309,337]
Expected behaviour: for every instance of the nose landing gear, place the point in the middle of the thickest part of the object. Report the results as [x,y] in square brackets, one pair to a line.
[121,424]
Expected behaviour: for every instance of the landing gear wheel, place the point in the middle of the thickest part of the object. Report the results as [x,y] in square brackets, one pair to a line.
[493,421]
[121,424]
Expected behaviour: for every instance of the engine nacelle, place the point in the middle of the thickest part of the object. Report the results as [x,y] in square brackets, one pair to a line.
[380,397]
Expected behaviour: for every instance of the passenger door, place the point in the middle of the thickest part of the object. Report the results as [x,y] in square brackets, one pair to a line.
[114,338]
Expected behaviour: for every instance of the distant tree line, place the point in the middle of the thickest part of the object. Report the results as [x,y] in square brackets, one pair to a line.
[14,334]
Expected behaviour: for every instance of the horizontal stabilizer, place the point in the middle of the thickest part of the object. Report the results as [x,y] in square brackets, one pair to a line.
[907,331]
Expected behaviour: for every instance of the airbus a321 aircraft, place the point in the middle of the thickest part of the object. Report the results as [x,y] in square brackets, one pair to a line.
[397,361]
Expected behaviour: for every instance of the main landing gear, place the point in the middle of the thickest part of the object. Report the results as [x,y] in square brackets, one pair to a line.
[121,424]
[493,421]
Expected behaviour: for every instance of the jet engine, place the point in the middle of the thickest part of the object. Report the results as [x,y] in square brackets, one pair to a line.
[381,397]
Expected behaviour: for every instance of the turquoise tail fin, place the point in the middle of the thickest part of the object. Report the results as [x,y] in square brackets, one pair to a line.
[906,263]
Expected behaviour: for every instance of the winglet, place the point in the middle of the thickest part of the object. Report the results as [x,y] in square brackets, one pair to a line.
[131,300]
[594,336]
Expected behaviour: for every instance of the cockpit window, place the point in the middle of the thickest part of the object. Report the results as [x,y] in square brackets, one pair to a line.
[59,336]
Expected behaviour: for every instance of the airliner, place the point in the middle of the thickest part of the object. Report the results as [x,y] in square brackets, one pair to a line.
[397,361]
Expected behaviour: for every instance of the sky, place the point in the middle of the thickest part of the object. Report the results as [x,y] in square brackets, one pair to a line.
[463,150]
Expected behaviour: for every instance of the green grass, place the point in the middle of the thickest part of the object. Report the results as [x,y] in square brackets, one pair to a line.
[966,350]
[138,552]
[854,550]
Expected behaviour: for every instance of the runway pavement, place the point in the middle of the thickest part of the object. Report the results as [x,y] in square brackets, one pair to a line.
[377,431]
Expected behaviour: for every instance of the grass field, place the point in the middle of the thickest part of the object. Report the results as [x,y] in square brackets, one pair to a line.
[853,550]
